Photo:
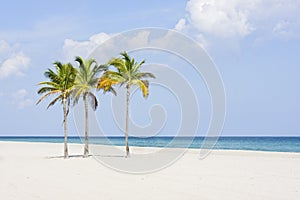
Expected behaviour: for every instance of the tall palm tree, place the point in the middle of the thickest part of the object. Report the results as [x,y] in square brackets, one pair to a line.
[127,73]
[60,84]
[85,83]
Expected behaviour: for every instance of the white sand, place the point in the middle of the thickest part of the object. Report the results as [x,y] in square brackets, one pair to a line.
[31,171]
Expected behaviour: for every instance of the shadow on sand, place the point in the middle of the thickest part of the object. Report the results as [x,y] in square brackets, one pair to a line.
[81,156]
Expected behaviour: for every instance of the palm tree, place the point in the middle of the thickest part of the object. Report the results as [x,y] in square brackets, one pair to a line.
[127,73]
[61,84]
[86,81]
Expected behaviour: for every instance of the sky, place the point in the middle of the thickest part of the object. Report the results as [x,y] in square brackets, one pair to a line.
[254,44]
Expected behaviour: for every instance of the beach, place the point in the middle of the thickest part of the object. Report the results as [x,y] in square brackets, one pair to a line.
[30,171]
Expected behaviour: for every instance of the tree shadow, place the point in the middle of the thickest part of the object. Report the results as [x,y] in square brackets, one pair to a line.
[81,156]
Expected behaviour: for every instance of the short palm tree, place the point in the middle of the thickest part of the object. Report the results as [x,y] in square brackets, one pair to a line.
[85,83]
[61,84]
[127,73]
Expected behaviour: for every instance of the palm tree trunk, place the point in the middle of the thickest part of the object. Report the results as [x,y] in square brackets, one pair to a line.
[66,155]
[127,118]
[86,146]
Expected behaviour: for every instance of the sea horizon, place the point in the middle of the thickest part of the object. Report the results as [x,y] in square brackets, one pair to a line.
[251,143]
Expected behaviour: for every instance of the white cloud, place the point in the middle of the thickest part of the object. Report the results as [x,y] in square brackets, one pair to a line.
[74,48]
[239,18]
[181,24]
[13,62]
[140,39]
[15,65]
[87,48]
[223,18]
[21,98]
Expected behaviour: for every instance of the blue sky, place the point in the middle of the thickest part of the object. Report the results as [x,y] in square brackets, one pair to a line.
[254,44]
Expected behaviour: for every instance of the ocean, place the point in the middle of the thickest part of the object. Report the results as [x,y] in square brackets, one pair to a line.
[275,144]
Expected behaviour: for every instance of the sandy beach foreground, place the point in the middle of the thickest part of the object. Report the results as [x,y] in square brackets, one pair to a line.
[31,171]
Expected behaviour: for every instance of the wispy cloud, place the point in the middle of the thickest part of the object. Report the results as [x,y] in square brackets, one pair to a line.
[21,99]
[13,62]
[4,49]
[181,24]
[283,30]
[43,29]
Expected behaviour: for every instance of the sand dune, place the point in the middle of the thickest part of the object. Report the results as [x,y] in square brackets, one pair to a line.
[30,171]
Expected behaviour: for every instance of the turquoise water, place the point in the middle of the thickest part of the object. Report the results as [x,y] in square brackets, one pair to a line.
[276,144]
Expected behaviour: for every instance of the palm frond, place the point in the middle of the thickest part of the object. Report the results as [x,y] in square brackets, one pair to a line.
[45,89]
[61,81]
[46,95]
[119,64]
[87,80]
[143,85]
[104,67]
[112,90]
[137,66]
[128,72]
[141,75]
[125,57]
[108,79]
[54,101]
[79,60]
[93,100]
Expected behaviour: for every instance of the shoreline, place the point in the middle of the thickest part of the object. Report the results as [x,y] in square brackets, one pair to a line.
[188,150]
[135,146]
